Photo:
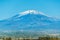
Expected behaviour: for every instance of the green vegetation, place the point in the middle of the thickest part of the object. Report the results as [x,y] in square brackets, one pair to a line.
[39,38]
[28,36]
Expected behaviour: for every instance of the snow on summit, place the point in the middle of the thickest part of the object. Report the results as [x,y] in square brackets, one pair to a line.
[30,12]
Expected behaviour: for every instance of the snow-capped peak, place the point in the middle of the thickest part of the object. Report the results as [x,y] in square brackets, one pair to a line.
[30,12]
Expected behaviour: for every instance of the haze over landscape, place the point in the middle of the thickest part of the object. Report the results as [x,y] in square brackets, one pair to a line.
[30,19]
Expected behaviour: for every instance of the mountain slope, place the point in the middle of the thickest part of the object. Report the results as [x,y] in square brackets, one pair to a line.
[30,20]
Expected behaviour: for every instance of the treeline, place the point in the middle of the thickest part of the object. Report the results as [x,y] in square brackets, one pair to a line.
[39,38]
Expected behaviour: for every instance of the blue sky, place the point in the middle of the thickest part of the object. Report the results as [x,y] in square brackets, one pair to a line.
[9,8]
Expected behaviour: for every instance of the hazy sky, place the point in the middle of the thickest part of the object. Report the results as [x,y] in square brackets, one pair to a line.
[9,8]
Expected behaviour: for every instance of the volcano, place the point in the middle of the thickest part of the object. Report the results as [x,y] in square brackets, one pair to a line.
[30,20]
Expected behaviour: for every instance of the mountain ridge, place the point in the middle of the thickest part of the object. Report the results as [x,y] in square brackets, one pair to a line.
[32,18]
[32,22]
